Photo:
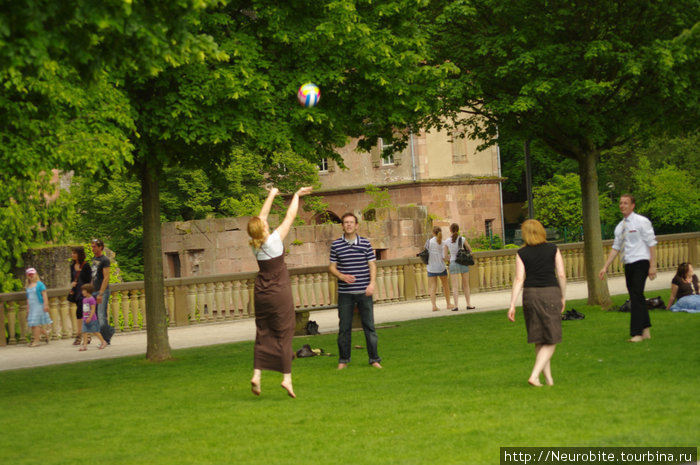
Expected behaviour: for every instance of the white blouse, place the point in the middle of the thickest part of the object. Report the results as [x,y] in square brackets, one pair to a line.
[272,248]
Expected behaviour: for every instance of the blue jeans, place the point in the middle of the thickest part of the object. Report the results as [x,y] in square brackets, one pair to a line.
[346,308]
[105,329]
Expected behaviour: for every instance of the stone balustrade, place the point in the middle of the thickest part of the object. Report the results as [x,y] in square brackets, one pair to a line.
[229,297]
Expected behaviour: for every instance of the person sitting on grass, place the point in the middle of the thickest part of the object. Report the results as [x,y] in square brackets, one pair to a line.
[91,326]
[685,290]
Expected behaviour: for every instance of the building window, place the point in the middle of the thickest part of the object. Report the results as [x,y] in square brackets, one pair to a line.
[459,147]
[387,159]
[323,165]
[174,267]
[488,226]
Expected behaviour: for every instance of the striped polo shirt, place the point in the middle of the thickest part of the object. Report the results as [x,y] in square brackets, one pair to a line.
[353,258]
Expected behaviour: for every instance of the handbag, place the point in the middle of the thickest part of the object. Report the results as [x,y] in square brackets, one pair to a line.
[464,256]
[424,255]
[72,296]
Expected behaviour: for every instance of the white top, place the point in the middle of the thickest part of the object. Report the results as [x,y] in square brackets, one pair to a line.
[436,260]
[453,247]
[272,248]
[638,237]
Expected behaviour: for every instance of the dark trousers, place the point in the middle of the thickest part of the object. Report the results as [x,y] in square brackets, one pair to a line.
[346,308]
[635,277]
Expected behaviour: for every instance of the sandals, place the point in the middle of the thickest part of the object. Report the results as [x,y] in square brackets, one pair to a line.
[77,340]
[34,344]
[82,348]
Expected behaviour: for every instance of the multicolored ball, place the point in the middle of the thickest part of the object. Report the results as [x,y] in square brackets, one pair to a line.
[309,94]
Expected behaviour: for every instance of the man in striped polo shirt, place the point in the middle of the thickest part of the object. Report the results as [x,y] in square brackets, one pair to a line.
[353,263]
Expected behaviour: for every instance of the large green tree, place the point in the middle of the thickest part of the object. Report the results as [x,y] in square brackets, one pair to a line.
[110,206]
[61,64]
[581,77]
[368,58]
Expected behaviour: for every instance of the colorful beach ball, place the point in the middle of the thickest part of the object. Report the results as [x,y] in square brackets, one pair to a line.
[309,94]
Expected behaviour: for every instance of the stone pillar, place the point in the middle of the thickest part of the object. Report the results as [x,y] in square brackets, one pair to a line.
[693,251]
[181,310]
[409,282]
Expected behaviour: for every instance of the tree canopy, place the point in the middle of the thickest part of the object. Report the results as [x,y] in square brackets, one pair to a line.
[580,77]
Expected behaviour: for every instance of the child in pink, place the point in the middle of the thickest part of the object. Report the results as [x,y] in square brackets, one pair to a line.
[91,326]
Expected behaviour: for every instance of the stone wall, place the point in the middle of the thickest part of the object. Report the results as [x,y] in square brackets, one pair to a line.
[469,202]
[52,264]
[220,245]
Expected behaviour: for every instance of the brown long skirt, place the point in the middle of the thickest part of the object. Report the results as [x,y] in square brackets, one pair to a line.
[542,311]
[274,317]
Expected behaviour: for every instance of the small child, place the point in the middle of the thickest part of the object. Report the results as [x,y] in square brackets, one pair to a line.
[90,324]
[38,302]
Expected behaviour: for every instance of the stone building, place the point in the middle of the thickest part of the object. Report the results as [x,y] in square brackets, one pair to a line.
[436,180]
[450,176]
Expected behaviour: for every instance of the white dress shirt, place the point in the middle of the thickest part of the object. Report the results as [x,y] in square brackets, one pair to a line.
[634,235]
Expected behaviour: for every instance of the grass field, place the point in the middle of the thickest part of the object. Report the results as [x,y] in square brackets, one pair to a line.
[453,391]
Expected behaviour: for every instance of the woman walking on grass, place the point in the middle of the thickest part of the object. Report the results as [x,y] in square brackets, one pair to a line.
[274,305]
[539,273]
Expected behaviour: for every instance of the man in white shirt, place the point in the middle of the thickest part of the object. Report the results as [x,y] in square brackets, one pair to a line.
[635,242]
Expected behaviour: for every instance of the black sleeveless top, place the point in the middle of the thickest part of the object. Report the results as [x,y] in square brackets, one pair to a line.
[539,265]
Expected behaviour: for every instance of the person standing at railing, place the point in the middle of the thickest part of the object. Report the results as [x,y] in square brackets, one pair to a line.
[274,305]
[437,269]
[80,273]
[100,281]
[540,274]
[635,242]
[353,263]
[457,271]
[38,305]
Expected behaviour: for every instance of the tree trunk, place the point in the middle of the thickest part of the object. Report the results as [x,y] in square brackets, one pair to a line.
[598,293]
[157,344]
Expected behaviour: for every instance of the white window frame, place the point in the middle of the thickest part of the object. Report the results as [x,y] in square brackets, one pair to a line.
[387,160]
[323,165]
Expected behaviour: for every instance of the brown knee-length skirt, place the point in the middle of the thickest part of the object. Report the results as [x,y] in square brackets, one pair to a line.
[542,311]
[274,317]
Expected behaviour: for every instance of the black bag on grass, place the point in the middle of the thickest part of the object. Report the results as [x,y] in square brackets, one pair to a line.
[312,328]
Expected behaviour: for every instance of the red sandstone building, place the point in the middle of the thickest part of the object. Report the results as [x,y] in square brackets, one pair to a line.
[436,180]
[455,181]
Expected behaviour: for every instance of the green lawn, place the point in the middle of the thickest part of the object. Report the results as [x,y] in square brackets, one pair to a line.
[453,391]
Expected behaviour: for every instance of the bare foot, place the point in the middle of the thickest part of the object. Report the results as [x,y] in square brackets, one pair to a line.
[289,390]
[534,382]
[635,339]
[342,366]
[550,382]
[376,365]
[255,387]
[436,309]
[646,334]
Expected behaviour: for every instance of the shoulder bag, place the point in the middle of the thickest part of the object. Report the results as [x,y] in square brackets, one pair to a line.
[464,256]
[424,255]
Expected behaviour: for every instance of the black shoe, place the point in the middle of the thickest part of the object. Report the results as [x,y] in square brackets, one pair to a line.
[455,309]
